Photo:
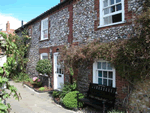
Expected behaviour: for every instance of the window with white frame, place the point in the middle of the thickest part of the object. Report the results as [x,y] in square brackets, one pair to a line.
[111,12]
[104,73]
[44,29]
[44,56]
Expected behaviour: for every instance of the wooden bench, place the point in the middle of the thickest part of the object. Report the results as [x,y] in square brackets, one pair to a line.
[100,97]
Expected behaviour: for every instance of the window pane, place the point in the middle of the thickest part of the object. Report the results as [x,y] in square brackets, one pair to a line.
[62,72]
[105,74]
[109,66]
[111,2]
[107,20]
[118,7]
[45,34]
[118,1]
[110,75]
[45,24]
[112,8]
[100,81]
[117,18]
[57,70]
[45,57]
[106,11]
[105,82]
[99,73]
[105,3]
[99,65]
[110,83]
[104,65]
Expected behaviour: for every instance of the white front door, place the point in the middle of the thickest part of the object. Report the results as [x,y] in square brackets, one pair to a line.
[58,73]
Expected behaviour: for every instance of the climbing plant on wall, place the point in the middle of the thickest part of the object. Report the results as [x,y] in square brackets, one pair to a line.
[16,51]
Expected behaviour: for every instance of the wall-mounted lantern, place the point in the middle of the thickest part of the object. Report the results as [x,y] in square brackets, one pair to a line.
[57,49]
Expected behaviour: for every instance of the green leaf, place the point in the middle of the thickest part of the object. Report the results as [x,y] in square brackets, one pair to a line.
[3,107]
[1,70]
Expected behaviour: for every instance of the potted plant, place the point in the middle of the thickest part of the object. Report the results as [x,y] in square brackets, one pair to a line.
[37,82]
[45,67]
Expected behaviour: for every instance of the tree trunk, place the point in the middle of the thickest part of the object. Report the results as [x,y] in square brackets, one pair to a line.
[49,82]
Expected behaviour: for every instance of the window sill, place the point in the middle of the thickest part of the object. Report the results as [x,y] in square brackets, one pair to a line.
[43,39]
[112,24]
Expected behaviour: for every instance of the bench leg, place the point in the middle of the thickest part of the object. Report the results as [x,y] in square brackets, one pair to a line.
[103,106]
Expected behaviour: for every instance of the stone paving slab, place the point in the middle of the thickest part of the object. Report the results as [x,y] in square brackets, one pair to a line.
[33,102]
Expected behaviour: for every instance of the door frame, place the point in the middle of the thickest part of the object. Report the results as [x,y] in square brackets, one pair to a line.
[55,70]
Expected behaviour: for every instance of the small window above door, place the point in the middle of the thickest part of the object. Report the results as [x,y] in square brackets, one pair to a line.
[44,56]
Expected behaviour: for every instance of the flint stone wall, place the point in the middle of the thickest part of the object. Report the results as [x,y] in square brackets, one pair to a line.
[33,56]
[58,30]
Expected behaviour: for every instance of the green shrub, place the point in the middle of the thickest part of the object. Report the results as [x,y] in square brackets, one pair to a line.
[56,93]
[44,66]
[21,77]
[41,88]
[68,88]
[70,100]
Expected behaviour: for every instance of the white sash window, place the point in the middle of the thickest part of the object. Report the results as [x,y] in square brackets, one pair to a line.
[111,12]
[44,29]
[104,73]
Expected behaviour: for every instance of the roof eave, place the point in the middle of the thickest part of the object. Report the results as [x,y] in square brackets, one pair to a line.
[41,15]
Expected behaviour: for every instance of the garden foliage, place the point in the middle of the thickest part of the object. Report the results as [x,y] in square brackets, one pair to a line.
[56,93]
[70,100]
[41,88]
[37,81]
[66,89]
[16,48]
[44,67]
[16,51]
[13,91]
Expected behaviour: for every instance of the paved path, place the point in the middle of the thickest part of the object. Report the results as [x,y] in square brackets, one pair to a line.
[33,102]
